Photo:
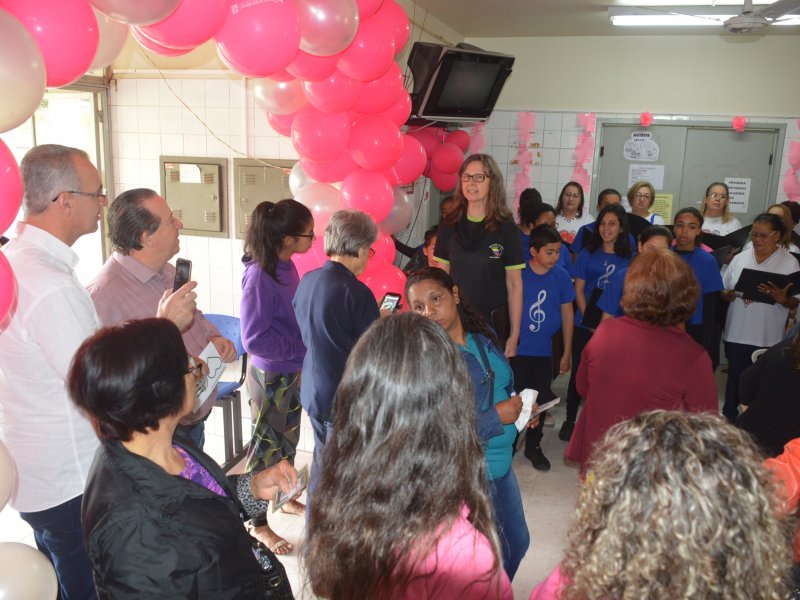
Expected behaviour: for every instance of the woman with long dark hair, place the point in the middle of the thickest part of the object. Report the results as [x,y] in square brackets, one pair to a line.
[402,509]
[272,339]
[608,249]
[478,244]
[431,292]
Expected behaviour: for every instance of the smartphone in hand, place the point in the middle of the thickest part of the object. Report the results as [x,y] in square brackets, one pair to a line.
[391,301]
[183,273]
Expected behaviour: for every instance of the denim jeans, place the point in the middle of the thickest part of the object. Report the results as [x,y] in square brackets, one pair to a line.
[510,520]
[58,535]
[322,432]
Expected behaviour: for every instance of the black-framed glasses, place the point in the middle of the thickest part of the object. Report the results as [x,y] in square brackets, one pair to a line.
[476,177]
[100,194]
[640,196]
[312,236]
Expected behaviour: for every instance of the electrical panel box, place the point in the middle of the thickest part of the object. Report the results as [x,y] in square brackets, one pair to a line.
[195,188]
[254,182]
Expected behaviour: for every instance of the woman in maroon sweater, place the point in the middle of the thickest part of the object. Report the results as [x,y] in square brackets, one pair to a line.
[644,360]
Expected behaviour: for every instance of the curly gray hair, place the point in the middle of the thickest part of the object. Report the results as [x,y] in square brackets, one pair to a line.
[677,505]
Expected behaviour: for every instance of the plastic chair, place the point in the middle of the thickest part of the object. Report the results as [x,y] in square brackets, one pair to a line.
[228,392]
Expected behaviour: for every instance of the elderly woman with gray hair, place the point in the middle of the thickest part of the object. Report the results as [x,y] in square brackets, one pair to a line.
[333,309]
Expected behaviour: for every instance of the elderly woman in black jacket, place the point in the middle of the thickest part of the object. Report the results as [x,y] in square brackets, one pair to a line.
[160,518]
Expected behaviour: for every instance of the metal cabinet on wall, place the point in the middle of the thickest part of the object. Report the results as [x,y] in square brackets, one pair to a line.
[254,182]
[195,190]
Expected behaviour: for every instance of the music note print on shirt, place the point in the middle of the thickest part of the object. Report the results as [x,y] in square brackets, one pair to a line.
[602,281]
[536,314]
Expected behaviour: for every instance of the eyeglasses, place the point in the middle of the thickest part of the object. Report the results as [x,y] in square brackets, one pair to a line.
[571,195]
[312,236]
[196,369]
[717,196]
[761,236]
[640,196]
[100,194]
[476,177]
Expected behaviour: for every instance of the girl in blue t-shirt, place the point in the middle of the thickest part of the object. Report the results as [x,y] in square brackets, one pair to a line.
[547,296]
[607,250]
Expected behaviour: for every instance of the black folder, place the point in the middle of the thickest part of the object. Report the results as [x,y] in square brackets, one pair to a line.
[750,279]
[737,238]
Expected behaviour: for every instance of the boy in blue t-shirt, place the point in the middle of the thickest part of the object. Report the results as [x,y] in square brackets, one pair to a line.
[547,296]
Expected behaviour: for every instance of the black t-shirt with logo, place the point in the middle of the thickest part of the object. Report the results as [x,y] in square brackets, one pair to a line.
[479,259]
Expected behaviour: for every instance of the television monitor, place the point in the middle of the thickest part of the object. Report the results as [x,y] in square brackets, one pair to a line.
[456,83]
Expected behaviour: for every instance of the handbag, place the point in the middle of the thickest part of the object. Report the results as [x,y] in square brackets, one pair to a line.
[275,583]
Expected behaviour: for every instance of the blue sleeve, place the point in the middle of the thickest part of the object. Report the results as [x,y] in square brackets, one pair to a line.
[487,421]
[581,268]
[708,275]
[565,259]
[577,243]
[566,290]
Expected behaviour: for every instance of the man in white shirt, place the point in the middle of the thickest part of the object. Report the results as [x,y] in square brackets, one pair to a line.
[52,443]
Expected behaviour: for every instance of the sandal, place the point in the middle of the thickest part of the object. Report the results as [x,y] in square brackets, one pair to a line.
[270,539]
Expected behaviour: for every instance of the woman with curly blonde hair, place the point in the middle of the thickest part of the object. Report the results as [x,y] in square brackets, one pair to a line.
[676,506]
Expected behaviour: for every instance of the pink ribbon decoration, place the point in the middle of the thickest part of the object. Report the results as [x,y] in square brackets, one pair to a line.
[526,122]
[739,124]
[584,150]
[791,184]
[645,119]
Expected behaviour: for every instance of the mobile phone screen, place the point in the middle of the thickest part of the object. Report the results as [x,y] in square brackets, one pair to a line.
[183,273]
[390,302]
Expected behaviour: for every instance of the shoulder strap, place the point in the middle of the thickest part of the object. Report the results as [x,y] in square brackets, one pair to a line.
[488,373]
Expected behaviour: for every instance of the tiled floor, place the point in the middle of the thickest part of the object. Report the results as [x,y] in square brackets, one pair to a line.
[549,500]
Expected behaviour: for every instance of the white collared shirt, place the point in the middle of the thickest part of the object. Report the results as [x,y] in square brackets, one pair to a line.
[52,443]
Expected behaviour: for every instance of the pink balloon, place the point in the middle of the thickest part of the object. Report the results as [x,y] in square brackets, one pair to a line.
[308,67]
[148,44]
[139,12]
[313,259]
[322,200]
[394,17]
[384,253]
[411,163]
[259,39]
[279,97]
[379,95]
[10,187]
[282,75]
[8,292]
[446,182]
[400,110]
[368,191]
[371,53]
[281,123]
[375,143]
[367,8]
[459,137]
[336,93]
[327,26]
[320,136]
[447,158]
[331,170]
[426,138]
[194,22]
[66,32]
[387,278]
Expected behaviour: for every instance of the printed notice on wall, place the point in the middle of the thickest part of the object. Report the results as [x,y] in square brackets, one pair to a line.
[739,193]
[662,206]
[641,146]
[652,173]
[190,173]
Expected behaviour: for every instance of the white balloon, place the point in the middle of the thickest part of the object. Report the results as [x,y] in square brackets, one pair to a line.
[8,476]
[138,12]
[279,97]
[298,178]
[327,26]
[25,573]
[112,38]
[400,215]
[22,73]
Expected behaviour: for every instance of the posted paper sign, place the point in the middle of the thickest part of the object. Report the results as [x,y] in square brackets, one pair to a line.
[652,173]
[739,193]
[662,206]
[641,146]
[216,368]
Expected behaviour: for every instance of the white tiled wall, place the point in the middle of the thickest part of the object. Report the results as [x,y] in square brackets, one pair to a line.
[148,119]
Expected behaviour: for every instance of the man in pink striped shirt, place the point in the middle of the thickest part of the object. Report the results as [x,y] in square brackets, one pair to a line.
[138,276]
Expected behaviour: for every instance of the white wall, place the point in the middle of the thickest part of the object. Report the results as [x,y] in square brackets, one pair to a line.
[710,75]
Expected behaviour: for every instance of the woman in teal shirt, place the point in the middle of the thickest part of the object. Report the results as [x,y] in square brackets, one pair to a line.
[432,293]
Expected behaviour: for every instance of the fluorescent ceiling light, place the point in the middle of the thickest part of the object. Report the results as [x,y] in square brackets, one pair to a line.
[678,16]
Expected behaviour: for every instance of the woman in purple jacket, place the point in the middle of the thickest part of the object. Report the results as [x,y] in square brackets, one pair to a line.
[272,339]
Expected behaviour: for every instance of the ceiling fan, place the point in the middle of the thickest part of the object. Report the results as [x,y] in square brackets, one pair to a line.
[751,21]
